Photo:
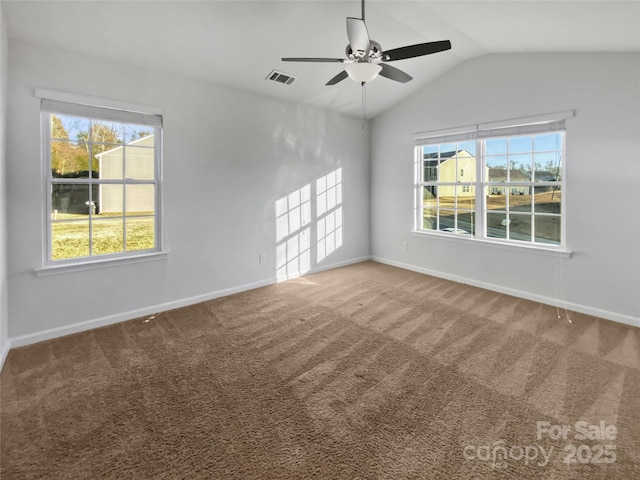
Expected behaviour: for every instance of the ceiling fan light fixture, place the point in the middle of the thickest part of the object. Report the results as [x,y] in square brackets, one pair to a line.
[362,72]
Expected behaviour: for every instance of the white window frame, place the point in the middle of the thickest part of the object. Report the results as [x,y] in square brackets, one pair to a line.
[539,124]
[97,109]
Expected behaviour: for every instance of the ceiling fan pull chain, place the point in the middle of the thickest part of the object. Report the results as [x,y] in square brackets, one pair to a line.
[364,105]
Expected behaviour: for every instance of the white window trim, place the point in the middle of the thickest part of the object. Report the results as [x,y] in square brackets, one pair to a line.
[47,270]
[479,132]
[81,102]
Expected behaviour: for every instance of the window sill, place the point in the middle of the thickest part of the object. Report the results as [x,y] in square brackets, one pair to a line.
[101,263]
[540,250]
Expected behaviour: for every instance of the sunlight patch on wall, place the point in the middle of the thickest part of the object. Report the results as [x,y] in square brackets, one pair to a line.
[293,233]
[308,225]
[329,213]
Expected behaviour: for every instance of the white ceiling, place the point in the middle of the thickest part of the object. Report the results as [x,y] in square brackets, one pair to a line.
[237,43]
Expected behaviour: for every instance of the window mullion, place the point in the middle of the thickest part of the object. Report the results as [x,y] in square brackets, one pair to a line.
[420,181]
[532,215]
[90,183]
[124,215]
[124,190]
[480,197]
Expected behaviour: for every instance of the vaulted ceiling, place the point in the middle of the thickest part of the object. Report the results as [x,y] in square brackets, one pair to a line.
[238,43]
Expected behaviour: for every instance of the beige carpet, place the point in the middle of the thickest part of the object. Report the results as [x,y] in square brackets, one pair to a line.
[363,372]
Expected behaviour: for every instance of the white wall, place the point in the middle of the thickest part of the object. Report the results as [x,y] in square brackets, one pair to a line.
[603,177]
[4,318]
[228,157]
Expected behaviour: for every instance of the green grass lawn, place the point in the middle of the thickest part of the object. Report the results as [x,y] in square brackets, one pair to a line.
[70,235]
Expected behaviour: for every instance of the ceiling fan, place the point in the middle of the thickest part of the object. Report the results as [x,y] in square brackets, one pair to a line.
[365,58]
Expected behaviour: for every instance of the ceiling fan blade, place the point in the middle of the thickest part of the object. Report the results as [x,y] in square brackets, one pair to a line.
[338,78]
[418,50]
[358,37]
[394,73]
[326,60]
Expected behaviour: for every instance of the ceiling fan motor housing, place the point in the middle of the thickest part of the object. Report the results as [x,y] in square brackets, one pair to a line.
[375,51]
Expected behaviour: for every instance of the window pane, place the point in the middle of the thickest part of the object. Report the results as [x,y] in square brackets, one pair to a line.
[495,198]
[548,167]
[448,150]
[547,142]
[111,200]
[466,167]
[519,199]
[107,132]
[447,219]
[430,171]
[468,147]
[466,197]
[520,167]
[446,198]
[496,146]
[66,127]
[140,199]
[520,144]
[430,151]
[110,162]
[139,161]
[447,169]
[496,168]
[497,225]
[429,196]
[69,239]
[466,223]
[547,200]
[140,233]
[547,229]
[107,236]
[136,132]
[520,227]
[70,200]
[430,219]
[68,160]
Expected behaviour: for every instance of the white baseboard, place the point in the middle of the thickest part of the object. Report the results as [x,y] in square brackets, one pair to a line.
[31,338]
[321,268]
[23,340]
[4,351]
[596,312]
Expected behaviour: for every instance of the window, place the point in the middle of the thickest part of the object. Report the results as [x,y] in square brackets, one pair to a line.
[102,179]
[502,184]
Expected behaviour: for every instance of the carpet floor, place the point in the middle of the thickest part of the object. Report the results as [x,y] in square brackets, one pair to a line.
[362,372]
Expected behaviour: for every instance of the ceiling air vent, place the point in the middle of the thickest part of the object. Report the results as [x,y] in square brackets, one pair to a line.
[280,77]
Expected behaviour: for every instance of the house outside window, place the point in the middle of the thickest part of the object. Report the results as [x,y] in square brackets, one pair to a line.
[504,185]
[102,183]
